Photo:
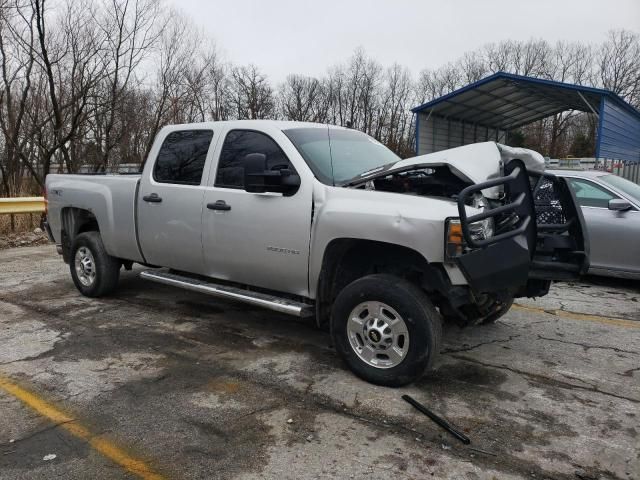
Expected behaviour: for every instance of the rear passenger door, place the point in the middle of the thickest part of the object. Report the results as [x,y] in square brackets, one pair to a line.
[259,239]
[170,201]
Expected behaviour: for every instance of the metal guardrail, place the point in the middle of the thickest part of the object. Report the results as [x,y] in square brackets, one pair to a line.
[22,205]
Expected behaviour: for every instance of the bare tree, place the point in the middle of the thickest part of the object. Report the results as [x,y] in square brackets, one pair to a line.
[128,32]
[72,68]
[251,93]
[177,53]
[303,99]
[619,68]
[17,40]
[88,84]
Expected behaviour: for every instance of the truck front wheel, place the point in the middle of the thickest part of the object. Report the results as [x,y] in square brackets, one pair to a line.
[499,309]
[385,329]
[95,273]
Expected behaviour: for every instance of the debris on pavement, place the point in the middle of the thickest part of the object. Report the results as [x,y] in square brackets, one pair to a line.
[483,451]
[440,421]
[50,456]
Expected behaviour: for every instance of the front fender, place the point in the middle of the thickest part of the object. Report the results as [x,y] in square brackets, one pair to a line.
[409,221]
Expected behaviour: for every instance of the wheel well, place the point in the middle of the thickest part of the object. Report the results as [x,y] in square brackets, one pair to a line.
[346,260]
[75,221]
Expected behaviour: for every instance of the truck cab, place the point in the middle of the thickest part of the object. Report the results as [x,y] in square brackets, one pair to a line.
[318,220]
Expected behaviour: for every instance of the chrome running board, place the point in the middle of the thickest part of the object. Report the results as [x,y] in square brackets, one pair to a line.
[271,302]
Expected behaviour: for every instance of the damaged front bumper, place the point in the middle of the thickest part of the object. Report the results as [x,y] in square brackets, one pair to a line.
[542,237]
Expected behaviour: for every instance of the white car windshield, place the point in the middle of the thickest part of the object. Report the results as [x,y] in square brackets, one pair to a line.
[624,185]
[336,155]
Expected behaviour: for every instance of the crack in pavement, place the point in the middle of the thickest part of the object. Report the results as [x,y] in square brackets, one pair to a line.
[548,380]
[629,373]
[42,430]
[39,356]
[588,347]
[473,347]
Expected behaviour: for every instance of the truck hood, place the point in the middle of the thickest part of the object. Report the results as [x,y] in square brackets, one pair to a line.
[473,163]
[477,162]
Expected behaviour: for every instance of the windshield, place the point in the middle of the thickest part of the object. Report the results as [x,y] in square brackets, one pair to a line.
[336,155]
[624,185]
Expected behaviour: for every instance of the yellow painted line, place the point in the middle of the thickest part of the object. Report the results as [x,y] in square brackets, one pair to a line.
[57,416]
[619,322]
[22,205]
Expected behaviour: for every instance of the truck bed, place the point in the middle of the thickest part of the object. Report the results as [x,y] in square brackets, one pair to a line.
[111,198]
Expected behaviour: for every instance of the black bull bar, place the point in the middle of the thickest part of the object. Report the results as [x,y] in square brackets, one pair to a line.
[539,234]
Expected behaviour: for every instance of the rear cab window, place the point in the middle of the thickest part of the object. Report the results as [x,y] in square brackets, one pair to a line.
[182,157]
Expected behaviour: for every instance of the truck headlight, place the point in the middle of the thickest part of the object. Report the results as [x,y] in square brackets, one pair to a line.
[454,239]
[482,230]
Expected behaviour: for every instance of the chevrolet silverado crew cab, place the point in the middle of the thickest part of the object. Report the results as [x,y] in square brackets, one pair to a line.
[317,220]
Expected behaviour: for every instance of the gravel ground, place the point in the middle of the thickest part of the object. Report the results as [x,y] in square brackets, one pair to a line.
[155,382]
[23,239]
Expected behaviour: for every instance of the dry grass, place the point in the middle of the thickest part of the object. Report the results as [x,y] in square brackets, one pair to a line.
[24,222]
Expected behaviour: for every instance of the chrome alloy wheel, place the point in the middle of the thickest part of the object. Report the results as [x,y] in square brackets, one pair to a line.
[85,266]
[378,334]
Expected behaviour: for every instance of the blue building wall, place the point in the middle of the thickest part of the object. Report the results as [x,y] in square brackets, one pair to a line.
[618,132]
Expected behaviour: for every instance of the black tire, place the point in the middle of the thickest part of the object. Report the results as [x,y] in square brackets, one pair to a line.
[107,268]
[422,320]
[500,310]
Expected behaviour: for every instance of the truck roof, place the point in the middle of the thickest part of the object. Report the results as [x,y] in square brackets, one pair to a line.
[279,124]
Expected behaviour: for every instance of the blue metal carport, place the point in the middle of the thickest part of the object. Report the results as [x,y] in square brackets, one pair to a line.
[489,108]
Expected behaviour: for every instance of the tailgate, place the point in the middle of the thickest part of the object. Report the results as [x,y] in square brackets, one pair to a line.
[539,236]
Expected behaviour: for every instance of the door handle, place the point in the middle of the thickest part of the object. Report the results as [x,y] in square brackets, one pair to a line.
[219,205]
[153,198]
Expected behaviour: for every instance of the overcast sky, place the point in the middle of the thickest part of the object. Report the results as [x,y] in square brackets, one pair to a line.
[306,36]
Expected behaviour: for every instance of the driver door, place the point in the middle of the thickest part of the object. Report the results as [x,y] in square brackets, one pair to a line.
[259,239]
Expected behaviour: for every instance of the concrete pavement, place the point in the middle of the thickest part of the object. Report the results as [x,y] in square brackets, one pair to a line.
[193,387]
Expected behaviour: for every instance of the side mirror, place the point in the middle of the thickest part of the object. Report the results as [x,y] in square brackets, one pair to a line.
[619,205]
[258,179]
[255,164]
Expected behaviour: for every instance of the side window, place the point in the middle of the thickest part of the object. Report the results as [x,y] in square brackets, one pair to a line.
[237,145]
[182,157]
[589,194]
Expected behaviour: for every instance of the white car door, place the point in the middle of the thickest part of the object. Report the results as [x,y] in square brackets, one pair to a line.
[259,239]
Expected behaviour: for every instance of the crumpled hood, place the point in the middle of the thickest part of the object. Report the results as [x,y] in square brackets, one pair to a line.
[477,162]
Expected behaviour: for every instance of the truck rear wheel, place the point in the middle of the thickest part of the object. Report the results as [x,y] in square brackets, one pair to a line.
[95,273]
[385,329]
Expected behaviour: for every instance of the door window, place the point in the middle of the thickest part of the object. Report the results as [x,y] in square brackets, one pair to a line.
[182,157]
[237,145]
[589,194]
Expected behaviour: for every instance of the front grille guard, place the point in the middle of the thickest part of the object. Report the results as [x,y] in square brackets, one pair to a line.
[547,215]
[519,201]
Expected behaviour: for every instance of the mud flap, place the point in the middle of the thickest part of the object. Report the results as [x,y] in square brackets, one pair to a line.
[543,242]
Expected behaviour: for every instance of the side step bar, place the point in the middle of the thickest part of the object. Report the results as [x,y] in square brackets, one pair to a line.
[271,302]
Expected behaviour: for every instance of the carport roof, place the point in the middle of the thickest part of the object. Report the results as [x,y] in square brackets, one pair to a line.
[507,101]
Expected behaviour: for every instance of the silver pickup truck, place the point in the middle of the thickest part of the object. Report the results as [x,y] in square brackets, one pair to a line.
[317,220]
